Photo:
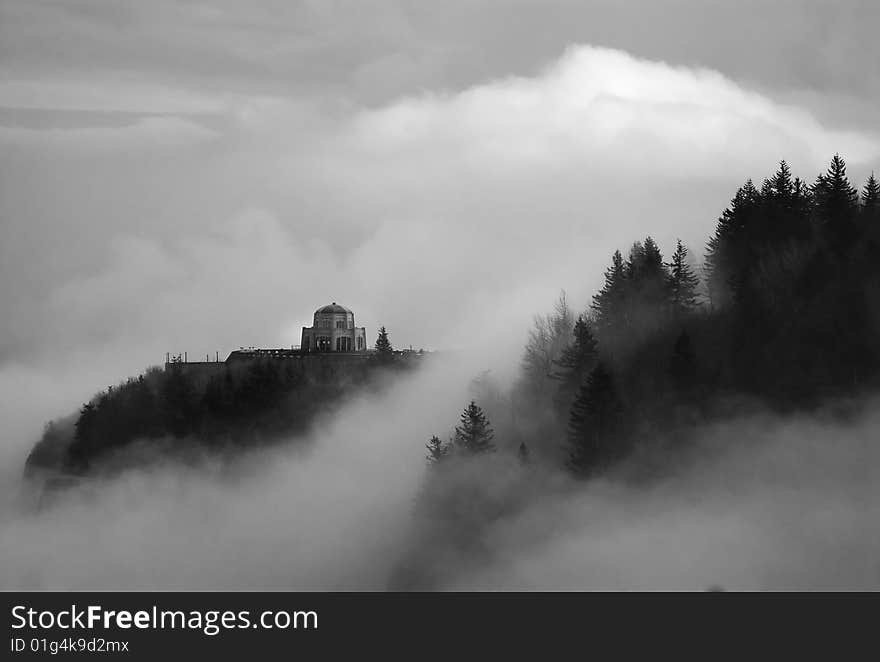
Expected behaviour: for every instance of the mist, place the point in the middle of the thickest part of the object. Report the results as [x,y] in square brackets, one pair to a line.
[760,502]
[322,515]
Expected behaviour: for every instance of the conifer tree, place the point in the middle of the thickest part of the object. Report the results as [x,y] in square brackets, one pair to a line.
[836,203]
[870,206]
[781,183]
[608,303]
[682,281]
[437,450]
[383,344]
[652,259]
[784,208]
[575,363]
[594,422]
[580,355]
[727,255]
[474,434]
[834,193]
[871,193]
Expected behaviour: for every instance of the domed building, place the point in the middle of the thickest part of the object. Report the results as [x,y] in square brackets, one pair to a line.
[333,330]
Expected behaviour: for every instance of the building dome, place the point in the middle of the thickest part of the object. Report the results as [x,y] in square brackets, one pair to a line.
[332,308]
[334,331]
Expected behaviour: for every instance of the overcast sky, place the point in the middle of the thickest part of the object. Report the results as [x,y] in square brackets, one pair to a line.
[196,176]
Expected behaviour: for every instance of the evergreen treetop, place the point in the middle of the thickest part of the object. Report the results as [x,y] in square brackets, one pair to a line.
[437,450]
[871,194]
[583,350]
[383,344]
[682,281]
[474,434]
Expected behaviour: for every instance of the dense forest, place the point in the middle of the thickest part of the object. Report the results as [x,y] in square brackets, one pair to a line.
[174,412]
[785,311]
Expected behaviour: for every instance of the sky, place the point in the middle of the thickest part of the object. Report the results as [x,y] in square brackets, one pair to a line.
[199,176]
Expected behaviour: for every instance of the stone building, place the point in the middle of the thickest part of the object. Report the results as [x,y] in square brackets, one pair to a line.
[333,330]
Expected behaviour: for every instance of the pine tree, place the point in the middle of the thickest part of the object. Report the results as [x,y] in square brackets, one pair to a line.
[784,209]
[781,183]
[833,191]
[580,355]
[608,303]
[871,193]
[474,434]
[575,363]
[652,259]
[836,203]
[594,423]
[870,205]
[437,450]
[384,350]
[682,281]
[727,252]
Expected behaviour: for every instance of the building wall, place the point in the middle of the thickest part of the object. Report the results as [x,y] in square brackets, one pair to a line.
[333,326]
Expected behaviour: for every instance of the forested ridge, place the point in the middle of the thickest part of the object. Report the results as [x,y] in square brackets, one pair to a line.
[174,413]
[783,311]
[783,315]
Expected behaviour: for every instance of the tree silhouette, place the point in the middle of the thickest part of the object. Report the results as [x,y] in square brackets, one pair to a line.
[383,344]
[594,423]
[682,281]
[437,450]
[727,255]
[870,207]
[575,363]
[836,206]
[607,305]
[474,434]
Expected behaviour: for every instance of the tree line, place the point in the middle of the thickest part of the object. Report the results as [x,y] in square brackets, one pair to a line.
[236,408]
[784,311]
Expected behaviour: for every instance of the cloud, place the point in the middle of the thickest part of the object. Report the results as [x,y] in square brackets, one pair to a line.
[526,184]
[147,133]
[451,217]
[326,513]
[109,94]
[608,107]
[762,503]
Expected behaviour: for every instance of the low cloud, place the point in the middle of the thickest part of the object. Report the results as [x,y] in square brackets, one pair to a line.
[761,502]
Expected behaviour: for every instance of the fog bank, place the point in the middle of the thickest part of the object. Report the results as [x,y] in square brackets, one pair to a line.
[762,503]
